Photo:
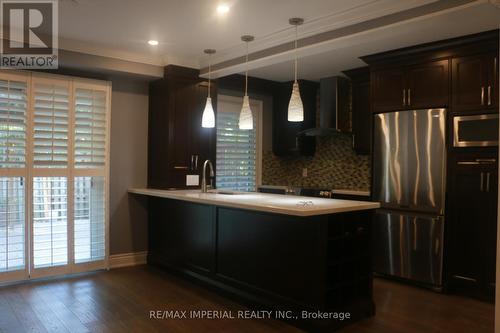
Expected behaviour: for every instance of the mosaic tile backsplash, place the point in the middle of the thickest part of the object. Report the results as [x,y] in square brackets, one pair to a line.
[334,166]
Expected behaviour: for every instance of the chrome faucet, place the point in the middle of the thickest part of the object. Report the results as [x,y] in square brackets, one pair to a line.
[204,186]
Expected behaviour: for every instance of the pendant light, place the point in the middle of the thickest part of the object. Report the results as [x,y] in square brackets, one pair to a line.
[295,106]
[208,117]
[246,117]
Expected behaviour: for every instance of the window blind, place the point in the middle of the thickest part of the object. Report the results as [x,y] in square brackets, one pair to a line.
[89,219]
[90,128]
[236,153]
[13,109]
[12,222]
[50,128]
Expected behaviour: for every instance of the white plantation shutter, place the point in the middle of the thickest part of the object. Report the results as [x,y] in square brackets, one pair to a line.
[13,119]
[50,124]
[54,174]
[237,150]
[90,128]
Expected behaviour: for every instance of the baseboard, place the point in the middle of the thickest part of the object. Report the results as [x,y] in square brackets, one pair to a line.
[127,259]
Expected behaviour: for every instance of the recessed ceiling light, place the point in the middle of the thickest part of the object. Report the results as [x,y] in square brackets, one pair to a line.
[153,42]
[222,9]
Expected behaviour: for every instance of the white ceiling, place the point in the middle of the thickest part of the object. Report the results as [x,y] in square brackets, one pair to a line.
[121,29]
[345,54]
[184,28]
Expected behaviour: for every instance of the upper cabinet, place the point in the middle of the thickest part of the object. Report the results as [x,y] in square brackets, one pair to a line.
[424,85]
[475,82]
[388,90]
[286,138]
[428,85]
[178,144]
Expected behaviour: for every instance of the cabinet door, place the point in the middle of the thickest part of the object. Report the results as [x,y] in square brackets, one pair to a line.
[361,117]
[492,81]
[181,102]
[428,85]
[388,90]
[473,224]
[181,234]
[469,83]
[490,231]
[467,214]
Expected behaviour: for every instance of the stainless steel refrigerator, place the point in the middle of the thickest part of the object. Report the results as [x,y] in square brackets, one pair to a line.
[409,175]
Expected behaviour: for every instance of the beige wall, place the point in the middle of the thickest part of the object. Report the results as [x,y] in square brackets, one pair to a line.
[129,133]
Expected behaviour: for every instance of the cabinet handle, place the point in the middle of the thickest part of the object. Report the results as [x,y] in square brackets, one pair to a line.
[196,162]
[482,182]
[181,167]
[488,182]
[353,140]
[486,160]
[191,166]
[489,95]
[482,95]
[409,97]
[404,97]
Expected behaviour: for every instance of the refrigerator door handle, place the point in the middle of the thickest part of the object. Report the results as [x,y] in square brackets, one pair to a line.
[487,182]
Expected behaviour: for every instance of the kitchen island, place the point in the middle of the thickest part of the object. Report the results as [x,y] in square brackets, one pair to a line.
[273,252]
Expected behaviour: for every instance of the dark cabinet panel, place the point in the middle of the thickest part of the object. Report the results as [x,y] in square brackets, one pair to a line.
[181,234]
[178,144]
[428,85]
[247,247]
[492,87]
[388,90]
[361,110]
[475,83]
[285,139]
[468,75]
[473,222]
[424,85]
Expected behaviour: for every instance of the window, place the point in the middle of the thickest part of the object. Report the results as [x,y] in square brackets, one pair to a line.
[54,136]
[238,151]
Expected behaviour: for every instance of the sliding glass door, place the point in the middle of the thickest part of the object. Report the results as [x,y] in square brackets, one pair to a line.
[54,148]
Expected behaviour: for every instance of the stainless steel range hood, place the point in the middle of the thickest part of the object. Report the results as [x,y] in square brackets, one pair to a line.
[334,107]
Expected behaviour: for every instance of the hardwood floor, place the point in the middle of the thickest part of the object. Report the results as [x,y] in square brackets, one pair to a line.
[121,300]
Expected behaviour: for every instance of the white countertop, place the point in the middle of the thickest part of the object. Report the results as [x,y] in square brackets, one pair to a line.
[264,202]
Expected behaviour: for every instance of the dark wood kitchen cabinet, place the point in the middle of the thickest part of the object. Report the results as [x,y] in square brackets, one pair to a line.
[178,144]
[424,85]
[472,224]
[286,141]
[475,83]
[388,87]
[361,109]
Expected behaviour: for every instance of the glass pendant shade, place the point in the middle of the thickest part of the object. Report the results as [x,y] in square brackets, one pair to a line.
[295,107]
[246,117]
[208,118]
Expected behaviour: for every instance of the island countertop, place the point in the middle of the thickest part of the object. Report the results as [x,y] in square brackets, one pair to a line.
[271,203]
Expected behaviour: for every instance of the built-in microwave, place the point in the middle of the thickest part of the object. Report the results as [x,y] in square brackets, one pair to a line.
[475,130]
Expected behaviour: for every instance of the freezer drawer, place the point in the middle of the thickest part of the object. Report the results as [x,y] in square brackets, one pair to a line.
[409,246]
